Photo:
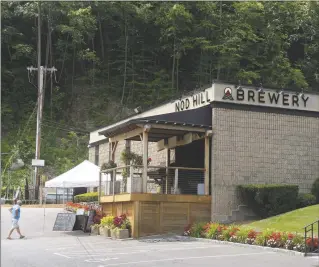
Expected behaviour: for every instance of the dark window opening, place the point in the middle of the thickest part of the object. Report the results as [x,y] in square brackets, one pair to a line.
[96,159]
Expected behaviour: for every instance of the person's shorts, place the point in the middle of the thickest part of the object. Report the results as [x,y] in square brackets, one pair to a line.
[15,224]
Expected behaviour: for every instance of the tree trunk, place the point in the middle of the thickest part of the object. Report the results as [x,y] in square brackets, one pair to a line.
[93,73]
[73,71]
[173,67]
[177,69]
[64,55]
[101,38]
[125,63]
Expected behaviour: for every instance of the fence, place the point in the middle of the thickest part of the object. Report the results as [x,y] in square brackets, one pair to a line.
[160,180]
[28,197]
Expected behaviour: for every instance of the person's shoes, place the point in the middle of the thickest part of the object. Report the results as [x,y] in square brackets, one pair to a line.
[22,236]
[9,238]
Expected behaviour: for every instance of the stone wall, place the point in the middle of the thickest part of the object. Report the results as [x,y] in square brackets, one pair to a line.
[260,148]
[158,158]
[91,154]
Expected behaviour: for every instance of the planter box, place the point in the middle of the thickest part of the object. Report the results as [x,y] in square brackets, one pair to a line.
[105,231]
[114,233]
[120,233]
[95,231]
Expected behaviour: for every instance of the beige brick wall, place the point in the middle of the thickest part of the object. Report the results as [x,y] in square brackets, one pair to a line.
[256,147]
[103,153]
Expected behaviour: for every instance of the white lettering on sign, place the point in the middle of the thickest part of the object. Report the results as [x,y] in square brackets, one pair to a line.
[262,97]
[195,101]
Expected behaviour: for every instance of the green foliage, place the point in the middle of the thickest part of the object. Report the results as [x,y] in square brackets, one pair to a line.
[114,56]
[315,189]
[87,197]
[269,200]
[128,157]
[109,165]
[107,221]
[262,238]
[242,234]
[197,230]
[212,230]
[305,200]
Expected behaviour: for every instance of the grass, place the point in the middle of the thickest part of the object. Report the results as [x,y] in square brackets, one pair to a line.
[293,221]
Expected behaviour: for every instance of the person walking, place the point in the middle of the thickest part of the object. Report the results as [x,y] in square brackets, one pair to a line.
[15,211]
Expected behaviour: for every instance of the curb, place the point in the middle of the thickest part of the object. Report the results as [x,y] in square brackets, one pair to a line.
[280,250]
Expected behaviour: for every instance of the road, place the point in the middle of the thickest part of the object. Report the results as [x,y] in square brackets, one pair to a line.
[45,248]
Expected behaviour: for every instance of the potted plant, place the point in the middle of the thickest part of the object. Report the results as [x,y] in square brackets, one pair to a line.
[106,225]
[95,229]
[122,225]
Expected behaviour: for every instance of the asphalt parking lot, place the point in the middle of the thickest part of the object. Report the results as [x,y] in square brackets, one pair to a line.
[43,247]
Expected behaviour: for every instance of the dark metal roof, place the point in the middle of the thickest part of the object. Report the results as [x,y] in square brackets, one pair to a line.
[197,118]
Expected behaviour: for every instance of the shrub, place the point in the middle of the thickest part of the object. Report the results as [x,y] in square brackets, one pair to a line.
[247,235]
[315,190]
[305,200]
[87,197]
[197,230]
[107,221]
[121,222]
[269,200]
[262,238]
[212,231]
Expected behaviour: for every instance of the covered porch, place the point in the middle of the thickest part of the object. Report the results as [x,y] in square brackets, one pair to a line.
[166,198]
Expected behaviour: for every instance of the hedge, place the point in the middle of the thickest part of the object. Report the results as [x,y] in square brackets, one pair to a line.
[315,189]
[270,199]
[87,197]
[305,200]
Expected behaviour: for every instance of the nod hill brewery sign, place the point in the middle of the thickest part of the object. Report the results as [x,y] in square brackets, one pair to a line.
[244,96]
[273,98]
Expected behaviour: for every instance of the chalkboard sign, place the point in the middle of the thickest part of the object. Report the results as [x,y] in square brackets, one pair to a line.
[90,220]
[64,222]
[81,223]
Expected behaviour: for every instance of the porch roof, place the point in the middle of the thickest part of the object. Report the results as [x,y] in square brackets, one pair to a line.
[166,125]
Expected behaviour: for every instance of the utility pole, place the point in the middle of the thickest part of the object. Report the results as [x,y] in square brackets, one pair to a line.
[41,71]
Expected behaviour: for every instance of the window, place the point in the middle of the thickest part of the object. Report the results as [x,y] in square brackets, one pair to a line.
[96,158]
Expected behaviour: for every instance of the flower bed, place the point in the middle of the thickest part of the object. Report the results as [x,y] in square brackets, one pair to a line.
[73,207]
[246,235]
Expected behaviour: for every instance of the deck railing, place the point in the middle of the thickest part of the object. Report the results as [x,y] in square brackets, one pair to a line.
[311,245]
[160,180]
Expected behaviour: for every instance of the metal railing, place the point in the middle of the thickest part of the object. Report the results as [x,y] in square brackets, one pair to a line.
[311,242]
[160,180]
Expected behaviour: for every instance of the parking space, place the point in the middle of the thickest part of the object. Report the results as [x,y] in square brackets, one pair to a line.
[42,247]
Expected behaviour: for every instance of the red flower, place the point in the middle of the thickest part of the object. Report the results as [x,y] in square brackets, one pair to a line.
[312,242]
[291,236]
[252,234]
[275,236]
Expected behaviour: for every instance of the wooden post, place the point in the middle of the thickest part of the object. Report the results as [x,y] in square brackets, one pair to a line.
[100,187]
[145,157]
[207,165]
[168,162]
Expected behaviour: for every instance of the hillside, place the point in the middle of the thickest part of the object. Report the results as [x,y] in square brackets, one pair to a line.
[114,56]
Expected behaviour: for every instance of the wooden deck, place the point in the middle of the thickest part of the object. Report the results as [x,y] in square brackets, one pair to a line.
[152,214]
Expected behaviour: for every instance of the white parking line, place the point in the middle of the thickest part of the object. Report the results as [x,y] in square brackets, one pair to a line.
[61,248]
[61,255]
[133,247]
[104,253]
[101,260]
[186,258]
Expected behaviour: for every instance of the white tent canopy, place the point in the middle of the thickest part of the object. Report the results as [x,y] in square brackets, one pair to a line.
[86,174]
